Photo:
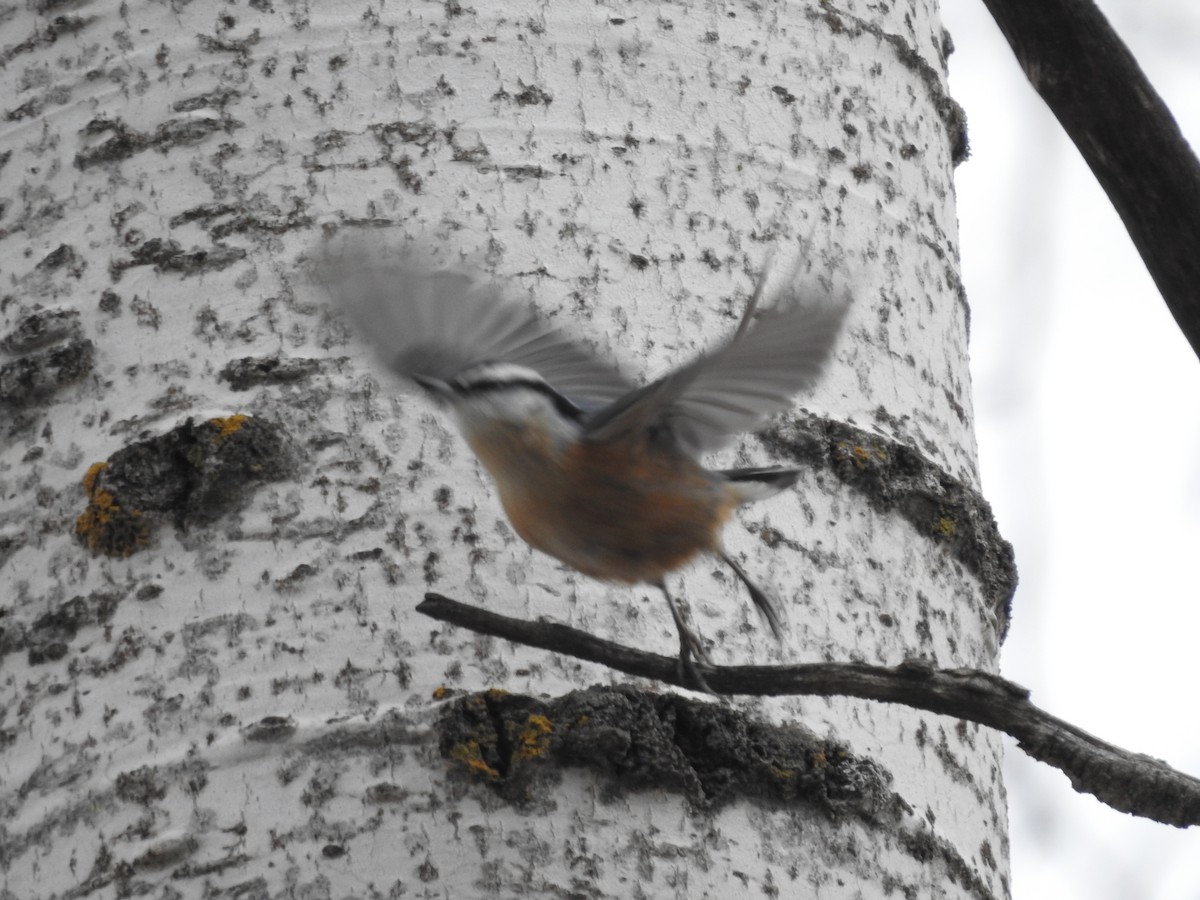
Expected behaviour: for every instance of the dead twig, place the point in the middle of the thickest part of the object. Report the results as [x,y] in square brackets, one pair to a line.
[1129,782]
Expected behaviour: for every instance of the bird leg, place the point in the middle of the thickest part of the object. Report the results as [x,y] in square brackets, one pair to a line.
[691,648]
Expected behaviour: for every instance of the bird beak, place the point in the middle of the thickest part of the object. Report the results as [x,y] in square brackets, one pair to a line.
[440,389]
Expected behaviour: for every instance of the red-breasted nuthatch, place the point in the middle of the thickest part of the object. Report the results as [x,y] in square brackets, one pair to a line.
[592,470]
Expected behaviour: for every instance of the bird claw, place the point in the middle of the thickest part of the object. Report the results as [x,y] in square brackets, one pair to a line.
[691,648]
[689,674]
[695,647]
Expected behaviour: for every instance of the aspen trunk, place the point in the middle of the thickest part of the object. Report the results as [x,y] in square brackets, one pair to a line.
[219,513]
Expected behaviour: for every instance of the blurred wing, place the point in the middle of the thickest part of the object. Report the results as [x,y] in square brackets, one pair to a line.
[733,390]
[438,323]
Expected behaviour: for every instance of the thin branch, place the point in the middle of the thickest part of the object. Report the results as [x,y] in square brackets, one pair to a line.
[1129,782]
[1125,133]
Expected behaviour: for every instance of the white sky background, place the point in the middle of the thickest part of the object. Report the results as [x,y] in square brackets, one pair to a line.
[1088,406]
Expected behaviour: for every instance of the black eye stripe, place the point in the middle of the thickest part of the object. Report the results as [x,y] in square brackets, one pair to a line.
[565,407]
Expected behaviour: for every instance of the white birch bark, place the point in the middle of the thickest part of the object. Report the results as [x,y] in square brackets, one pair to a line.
[217,685]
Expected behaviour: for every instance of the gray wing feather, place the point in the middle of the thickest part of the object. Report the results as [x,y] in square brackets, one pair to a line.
[734,389]
[438,323]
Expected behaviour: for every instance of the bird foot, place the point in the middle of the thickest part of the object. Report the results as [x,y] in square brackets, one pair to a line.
[687,670]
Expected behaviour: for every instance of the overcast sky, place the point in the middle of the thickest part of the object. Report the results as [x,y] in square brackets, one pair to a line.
[1088,405]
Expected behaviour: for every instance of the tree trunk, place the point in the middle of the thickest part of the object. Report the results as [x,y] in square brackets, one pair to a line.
[219,514]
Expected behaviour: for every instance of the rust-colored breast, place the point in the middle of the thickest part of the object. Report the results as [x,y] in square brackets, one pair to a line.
[613,511]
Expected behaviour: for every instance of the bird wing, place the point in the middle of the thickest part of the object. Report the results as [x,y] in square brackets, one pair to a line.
[437,323]
[736,387]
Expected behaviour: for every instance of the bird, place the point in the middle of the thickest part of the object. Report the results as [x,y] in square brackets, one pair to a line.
[592,469]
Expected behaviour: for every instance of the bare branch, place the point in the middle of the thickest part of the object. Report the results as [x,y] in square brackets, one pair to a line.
[1125,133]
[1129,782]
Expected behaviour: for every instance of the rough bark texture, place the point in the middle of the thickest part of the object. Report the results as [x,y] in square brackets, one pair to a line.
[1127,781]
[1125,132]
[217,518]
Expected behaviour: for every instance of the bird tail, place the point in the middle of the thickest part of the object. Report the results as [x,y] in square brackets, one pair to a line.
[768,605]
[758,484]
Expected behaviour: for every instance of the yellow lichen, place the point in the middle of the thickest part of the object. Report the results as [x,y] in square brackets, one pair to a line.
[480,766]
[227,426]
[534,741]
[946,526]
[469,754]
[93,473]
[861,455]
[108,528]
[99,512]
[441,692]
